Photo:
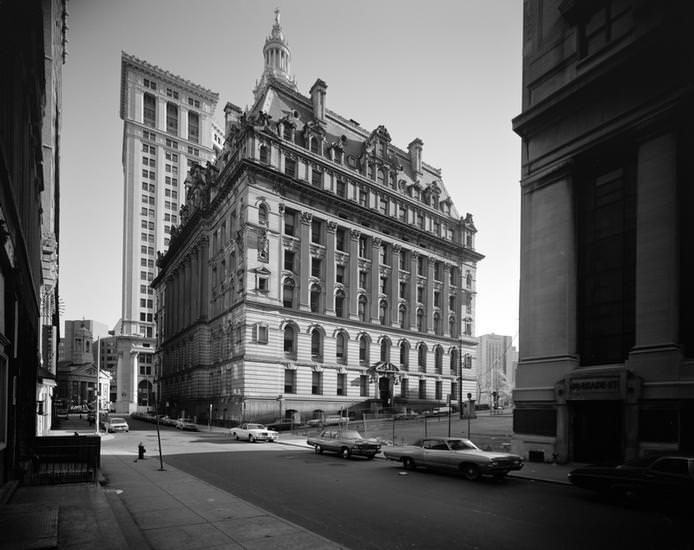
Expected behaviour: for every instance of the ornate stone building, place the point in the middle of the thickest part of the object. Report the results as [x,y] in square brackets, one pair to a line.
[606,359]
[317,267]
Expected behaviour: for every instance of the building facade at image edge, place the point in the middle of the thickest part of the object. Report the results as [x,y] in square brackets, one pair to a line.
[606,366]
[167,126]
[317,267]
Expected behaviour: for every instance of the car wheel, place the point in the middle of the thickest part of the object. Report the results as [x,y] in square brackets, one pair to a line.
[345,452]
[370,456]
[470,471]
[318,449]
[408,463]
[251,438]
[236,436]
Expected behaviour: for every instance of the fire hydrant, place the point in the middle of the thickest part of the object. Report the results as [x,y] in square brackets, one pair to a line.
[141,451]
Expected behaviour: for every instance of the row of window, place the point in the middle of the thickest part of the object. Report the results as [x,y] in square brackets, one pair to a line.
[290,385]
[317,337]
[172,117]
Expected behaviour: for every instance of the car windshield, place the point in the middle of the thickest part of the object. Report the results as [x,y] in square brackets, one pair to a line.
[461,444]
[117,421]
[255,427]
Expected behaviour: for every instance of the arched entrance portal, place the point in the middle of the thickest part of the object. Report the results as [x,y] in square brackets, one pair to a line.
[387,375]
[145,395]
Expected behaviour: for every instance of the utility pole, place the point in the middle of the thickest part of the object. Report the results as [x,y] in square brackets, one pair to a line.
[98,386]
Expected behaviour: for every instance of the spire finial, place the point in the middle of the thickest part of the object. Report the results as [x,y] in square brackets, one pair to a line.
[277,16]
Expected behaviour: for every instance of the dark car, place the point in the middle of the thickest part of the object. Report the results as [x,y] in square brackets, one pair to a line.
[670,477]
[345,443]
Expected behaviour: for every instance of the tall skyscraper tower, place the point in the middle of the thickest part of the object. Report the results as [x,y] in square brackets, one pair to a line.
[167,126]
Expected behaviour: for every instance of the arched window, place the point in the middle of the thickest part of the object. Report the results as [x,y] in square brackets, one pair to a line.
[451,326]
[438,360]
[363,349]
[264,154]
[316,345]
[382,312]
[454,361]
[402,316]
[289,341]
[422,358]
[361,308]
[315,298]
[262,214]
[404,355]
[341,348]
[339,303]
[288,293]
[385,349]
[420,320]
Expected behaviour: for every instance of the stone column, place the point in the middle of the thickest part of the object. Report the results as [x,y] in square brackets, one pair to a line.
[395,285]
[353,277]
[329,286]
[429,297]
[305,261]
[375,277]
[280,252]
[203,291]
[412,307]
[656,353]
[445,299]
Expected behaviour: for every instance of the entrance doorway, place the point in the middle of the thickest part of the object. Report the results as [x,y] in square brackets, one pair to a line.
[597,431]
[385,388]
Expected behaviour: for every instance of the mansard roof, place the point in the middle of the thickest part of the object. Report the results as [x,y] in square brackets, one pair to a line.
[284,104]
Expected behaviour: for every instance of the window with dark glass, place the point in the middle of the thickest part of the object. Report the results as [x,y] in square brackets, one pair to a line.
[422,358]
[341,189]
[340,239]
[361,308]
[316,177]
[316,231]
[340,348]
[316,350]
[289,340]
[172,118]
[362,279]
[289,381]
[289,221]
[340,274]
[339,304]
[341,384]
[150,110]
[363,350]
[290,167]
[404,355]
[363,385]
[316,267]
[193,127]
[422,389]
[288,293]
[315,299]
[264,154]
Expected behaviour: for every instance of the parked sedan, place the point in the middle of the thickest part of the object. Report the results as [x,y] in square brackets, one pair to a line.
[457,454]
[345,443]
[186,424]
[664,477]
[253,432]
[115,424]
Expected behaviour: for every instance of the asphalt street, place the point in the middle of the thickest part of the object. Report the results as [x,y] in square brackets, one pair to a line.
[374,504]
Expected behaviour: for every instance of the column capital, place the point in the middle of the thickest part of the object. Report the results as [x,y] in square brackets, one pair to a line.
[306,217]
[355,234]
[396,249]
[376,242]
[332,227]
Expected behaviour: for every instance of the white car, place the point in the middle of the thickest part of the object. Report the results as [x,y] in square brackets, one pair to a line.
[186,424]
[253,432]
[116,425]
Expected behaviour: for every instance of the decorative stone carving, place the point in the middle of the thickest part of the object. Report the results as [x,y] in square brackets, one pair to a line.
[306,217]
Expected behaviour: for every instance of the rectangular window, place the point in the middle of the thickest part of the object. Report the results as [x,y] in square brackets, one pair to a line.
[289,220]
[289,260]
[289,381]
[316,383]
[316,267]
[438,389]
[422,389]
[340,239]
[150,110]
[404,388]
[341,189]
[193,127]
[340,274]
[316,177]
[363,247]
[172,118]
[341,384]
[316,227]
[363,385]
[362,279]
[385,260]
[606,265]
[290,167]
[403,289]
[363,197]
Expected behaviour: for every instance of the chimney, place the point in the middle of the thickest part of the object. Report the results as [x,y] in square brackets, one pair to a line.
[231,117]
[318,99]
[415,150]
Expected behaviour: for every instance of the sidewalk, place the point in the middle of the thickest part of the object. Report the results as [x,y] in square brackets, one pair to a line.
[137,506]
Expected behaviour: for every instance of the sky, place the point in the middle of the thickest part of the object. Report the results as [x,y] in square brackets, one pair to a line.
[445,71]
